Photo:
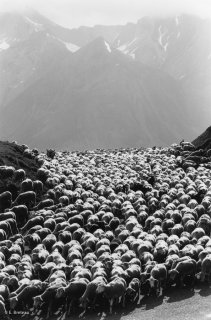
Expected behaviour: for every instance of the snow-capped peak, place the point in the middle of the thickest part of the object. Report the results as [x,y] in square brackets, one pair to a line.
[37,26]
[71,47]
[4,45]
[107,46]
[177,20]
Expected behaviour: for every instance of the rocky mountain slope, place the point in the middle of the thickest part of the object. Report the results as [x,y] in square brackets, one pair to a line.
[204,139]
[12,154]
[107,86]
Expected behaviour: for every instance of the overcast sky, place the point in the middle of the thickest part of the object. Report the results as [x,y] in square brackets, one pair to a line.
[74,13]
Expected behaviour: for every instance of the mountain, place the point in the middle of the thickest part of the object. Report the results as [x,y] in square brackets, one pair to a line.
[167,43]
[106,86]
[100,98]
[28,49]
[204,139]
[181,47]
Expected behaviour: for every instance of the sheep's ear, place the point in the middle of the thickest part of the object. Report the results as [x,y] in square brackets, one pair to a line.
[130,290]
[152,281]
[68,269]
[13,299]
[173,272]
[100,289]
[198,275]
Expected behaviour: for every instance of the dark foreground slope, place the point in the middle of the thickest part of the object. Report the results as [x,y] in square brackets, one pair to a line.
[204,140]
[12,154]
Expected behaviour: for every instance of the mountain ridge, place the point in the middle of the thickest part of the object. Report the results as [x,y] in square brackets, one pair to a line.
[99,95]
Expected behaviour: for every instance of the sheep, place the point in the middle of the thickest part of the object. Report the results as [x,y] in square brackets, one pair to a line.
[48,296]
[182,269]
[6,172]
[205,268]
[44,204]
[25,297]
[37,220]
[160,252]
[43,271]
[27,198]
[31,241]
[204,222]
[38,187]
[4,292]
[158,277]
[113,290]
[5,226]
[92,291]
[3,312]
[72,292]
[125,218]
[21,214]
[5,200]
[26,185]
[19,175]
[133,290]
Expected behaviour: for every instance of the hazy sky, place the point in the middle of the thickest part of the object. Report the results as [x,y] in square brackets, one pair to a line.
[73,13]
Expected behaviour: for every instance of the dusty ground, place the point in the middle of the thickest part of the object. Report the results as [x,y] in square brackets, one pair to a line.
[176,304]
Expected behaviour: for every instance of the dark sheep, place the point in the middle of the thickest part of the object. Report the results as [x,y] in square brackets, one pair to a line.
[6,172]
[44,204]
[21,213]
[5,200]
[50,224]
[31,241]
[27,198]
[39,220]
[26,185]
[38,187]
[19,175]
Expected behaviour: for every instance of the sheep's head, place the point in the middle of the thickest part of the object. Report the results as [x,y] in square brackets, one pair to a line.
[173,274]
[152,282]
[60,292]
[34,257]
[68,270]
[101,288]
[143,277]
[198,275]
[37,301]
[5,280]
[20,275]
[13,302]
[130,292]
[202,276]
[43,285]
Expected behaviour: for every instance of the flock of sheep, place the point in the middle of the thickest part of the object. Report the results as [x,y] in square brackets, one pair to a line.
[103,227]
